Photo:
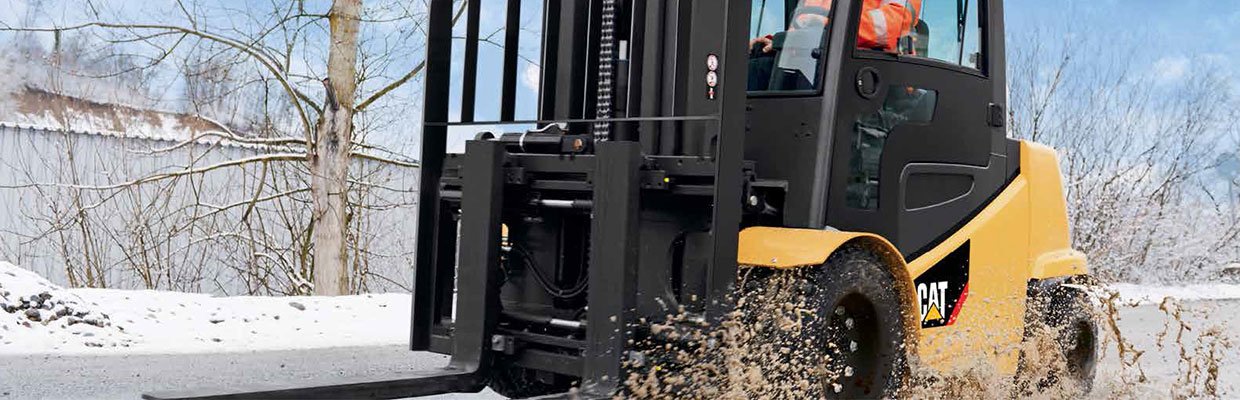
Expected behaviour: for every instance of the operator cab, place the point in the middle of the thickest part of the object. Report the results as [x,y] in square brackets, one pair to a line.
[905,141]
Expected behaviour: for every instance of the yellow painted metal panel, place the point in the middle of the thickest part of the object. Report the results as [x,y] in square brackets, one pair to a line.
[1050,247]
[784,248]
[1021,235]
[990,324]
[1063,262]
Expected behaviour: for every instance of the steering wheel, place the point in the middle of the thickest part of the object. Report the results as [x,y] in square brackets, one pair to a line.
[808,10]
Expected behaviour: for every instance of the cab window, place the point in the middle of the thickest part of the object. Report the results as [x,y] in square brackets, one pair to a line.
[943,30]
[786,46]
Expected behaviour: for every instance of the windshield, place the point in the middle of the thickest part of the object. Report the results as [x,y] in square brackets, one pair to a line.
[786,46]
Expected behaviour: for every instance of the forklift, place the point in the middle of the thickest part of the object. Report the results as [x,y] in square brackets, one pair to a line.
[668,155]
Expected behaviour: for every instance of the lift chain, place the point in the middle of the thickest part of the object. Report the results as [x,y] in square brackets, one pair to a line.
[606,70]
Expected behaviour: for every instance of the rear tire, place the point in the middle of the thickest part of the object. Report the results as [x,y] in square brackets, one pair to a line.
[1066,316]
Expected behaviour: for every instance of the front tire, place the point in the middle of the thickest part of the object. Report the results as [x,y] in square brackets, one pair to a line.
[857,324]
[515,382]
[869,353]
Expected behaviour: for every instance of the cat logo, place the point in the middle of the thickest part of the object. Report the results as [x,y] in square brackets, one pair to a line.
[931,298]
[943,289]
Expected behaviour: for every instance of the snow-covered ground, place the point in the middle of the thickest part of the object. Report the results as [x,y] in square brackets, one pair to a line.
[1151,294]
[37,317]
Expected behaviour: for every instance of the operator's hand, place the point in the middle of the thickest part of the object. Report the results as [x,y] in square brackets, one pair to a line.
[767,43]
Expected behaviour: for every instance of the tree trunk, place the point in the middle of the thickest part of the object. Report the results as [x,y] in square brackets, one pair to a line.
[329,161]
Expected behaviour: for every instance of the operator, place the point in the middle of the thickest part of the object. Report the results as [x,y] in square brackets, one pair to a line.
[883,24]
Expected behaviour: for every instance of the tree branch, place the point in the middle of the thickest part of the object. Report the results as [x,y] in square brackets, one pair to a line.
[268,63]
[174,174]
[408,76]
[385,160]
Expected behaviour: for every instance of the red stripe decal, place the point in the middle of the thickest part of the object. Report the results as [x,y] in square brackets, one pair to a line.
[959,304]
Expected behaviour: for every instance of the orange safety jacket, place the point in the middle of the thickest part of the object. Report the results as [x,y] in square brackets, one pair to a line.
[883,22]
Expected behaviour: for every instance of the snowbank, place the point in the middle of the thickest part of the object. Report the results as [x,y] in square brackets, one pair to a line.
[1153,294]
[124,321]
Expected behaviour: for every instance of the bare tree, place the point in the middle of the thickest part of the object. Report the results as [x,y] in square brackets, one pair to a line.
[280,44]
[329,160]
[1137,153]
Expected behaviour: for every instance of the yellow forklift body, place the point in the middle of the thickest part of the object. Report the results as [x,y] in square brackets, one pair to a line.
[1019,236]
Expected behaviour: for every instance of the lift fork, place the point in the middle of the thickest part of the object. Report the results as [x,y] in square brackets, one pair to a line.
[477,312]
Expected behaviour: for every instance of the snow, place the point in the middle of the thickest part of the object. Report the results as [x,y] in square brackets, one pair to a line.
[1153,294]
[161,126]
[156,322]
[38,317]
